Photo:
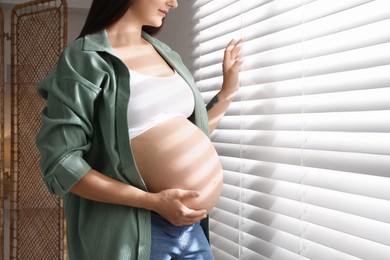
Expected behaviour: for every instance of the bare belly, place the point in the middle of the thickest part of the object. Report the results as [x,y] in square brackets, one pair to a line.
[176,154]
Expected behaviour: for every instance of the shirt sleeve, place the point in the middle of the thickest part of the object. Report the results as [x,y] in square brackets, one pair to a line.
[66,131]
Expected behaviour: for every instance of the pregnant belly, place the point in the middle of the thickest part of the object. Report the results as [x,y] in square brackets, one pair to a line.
[176,154]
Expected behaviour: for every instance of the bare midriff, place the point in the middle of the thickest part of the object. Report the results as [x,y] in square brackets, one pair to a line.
[177,154]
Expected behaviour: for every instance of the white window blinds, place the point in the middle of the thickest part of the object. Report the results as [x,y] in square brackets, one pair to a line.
[305,145]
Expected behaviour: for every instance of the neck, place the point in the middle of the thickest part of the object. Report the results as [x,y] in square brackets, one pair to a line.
[125,32]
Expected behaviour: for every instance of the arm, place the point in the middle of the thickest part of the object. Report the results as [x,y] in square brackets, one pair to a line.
[219,104]
[65,137]
[98,187]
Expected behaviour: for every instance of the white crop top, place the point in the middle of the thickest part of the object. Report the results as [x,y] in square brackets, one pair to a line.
[156,99]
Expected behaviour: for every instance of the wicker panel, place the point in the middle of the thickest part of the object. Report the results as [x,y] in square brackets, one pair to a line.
[2,182]
[37,220]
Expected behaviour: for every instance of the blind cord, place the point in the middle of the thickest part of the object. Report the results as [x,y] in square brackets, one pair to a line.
[302,246]
[242,151]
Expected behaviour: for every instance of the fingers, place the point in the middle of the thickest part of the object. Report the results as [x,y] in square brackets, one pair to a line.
[236,50]
[187,194]
[233,49]
[187,212]
[237,64]
[178,213]
[229,49]
[189,216]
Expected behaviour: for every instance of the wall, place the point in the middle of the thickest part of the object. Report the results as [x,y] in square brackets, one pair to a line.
[176,30]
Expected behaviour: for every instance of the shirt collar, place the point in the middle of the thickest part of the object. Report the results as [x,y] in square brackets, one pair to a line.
[99,42]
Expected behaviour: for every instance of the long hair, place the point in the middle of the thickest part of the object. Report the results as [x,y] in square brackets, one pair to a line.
[104,13]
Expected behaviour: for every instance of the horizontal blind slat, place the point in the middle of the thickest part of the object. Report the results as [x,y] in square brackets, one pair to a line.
[361,224]
[376,165]
[277,204]
[269,154]
[263,234]
[366,207]
[360,227]
[358,14]
[360,248]
[267,249]
[215,26]
[369,164]
[199,3]
[361,121]
[360,79]
[351,224]
[375,187]
[375,34]
[316,16]
[317,251]
[373,56]
[358,100]
[274,18]
[218,245]
[255,188]
[368,143]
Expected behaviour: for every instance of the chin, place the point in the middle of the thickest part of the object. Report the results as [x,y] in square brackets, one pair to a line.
[156,23]
[159,24]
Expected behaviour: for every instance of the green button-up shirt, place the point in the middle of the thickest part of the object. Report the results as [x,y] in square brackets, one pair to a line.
[84,126]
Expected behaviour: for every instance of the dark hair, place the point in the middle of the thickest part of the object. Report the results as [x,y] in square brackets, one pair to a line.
[104,13]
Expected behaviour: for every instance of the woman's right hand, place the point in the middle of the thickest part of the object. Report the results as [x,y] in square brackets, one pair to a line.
[169,205]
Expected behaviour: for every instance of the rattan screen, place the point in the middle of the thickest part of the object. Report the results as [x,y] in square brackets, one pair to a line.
[38,35]
[2,212]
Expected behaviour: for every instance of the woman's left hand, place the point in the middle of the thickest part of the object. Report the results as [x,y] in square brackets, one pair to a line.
[231,67]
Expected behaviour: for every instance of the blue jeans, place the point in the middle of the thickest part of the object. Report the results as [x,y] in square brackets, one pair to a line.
[184,242]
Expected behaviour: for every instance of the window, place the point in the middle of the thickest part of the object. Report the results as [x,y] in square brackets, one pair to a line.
[305,145]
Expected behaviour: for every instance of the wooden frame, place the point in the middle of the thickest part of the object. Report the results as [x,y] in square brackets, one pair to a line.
[38,35]
[2,177]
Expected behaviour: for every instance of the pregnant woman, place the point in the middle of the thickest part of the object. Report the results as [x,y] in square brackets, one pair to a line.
[124,138]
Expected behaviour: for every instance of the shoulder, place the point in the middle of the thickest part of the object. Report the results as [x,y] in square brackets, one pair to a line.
[78,61]
[75,64]
[77,57]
